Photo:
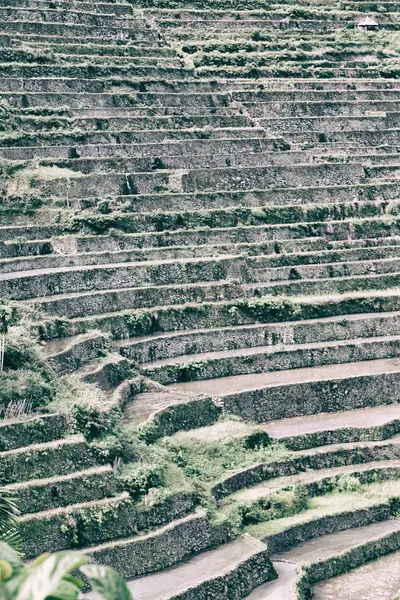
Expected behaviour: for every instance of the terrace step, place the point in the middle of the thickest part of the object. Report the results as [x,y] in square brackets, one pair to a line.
[345,230]
[270,358]
[332,511]
[201,180]
[282,588]
[37,39]
[145,349]
[304,96]
[94,157]
[55,261]
[343,541]
[300,433]
[171,162]
[195,85]
[380,578]
[122,99]
[331,123]
[320,109]
[152,406]
[330,256]
[266,396]
[179,99]
[131,122]
[155,551]
[269,262]
[39,495]
[325,270]
[243,560]
[358,137]
[127,136]
[72,16]
[309,467]
[78,71]
[29,232]
[106,372]
[32,429]
[69,354]
[217,311]
[106,47]
[58,528]
[61,251]
[203,15]
[332,70]
[373,423]
[113,8]
[329,554]
[23,285]
[328,286]
[105,302]
[58,457]
[111,28]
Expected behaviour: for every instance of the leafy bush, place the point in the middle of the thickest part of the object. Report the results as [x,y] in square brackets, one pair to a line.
[139,479]
[283,503]
[49,577]
[25,386]
[257,439]
[92,422]
[347,483]
[27,378]
[107,449]
[22,351]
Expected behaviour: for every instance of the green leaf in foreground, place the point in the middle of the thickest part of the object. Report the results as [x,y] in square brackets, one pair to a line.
[107,582]
[44,579]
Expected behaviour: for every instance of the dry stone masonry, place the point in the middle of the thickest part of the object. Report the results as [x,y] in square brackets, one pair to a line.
[199,207]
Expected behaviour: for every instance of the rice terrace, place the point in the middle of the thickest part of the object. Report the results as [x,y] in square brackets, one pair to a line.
[200,299]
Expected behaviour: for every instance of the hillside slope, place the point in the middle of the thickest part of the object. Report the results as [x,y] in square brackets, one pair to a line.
[199,224]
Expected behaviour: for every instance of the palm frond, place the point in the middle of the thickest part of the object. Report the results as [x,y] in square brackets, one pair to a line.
[9,522]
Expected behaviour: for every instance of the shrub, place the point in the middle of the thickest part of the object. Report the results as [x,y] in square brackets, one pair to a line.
[27,379]
[25,386]
[107,449]
[21,350]
[139,479]
[281,504]
[92,422]
[347,483]
[257,439]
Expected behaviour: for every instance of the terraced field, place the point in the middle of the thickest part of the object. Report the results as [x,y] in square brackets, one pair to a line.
[200,231]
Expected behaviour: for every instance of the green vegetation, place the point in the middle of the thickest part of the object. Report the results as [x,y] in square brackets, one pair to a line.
[50,577]
[219,175]
[9,524]
[30,384]
[278,505]
[27,380]
[276,512]
[207,462]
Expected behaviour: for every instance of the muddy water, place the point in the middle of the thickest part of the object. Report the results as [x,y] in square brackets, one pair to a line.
[377,580]
[361,417]
[240,383]
[336,543]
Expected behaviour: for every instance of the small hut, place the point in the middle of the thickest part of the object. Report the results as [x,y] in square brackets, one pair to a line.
[366,24]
